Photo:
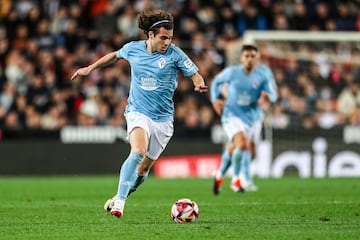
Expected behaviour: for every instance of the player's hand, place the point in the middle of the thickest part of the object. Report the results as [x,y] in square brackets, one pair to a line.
[201,88]
[218,106]
[263,100]
[81,72]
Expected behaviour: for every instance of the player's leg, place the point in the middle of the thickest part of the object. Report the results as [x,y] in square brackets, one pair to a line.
[160,135]
[236,131]
[138,142]
[254,138]
[138,136]
[239,154]
[246,167]
[224,166]
[142,174]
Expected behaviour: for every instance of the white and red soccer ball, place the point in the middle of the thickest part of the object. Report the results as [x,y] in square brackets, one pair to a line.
[185,210]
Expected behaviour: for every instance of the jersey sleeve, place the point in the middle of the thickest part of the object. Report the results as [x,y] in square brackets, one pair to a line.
[271,86]
[271,89]
[124,51]
[184,63]
[224,77]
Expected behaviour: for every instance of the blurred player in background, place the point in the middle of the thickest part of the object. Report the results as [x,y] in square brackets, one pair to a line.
[155,64]
[237,94]
[246,175]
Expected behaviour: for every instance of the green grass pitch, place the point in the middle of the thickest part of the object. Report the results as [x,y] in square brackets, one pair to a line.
[287,208]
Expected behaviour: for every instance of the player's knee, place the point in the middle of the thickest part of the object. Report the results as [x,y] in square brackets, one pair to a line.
[241,146]
[139,150]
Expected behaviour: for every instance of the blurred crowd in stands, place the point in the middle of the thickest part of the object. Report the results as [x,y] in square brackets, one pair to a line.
[42,42]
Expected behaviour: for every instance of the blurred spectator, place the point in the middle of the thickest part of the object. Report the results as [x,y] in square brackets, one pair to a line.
[250,19]
[354,117]
[322,15]
[227,28]
[32,18]
[33,118]
[42,42]
[118,118]
[14,70]
[345,19]
[278,119]
[105,22]
[206,117]
[188,27]
[127,23]
[19,106]
[69,38]
[21,37]
[280,22]
[49,120]
[104,114]
[291,72]
[316,77]
[7,97]
[59,21]
[37,93]
[12,121]
[297,112]
[327,117]
[43,36]
[300,19]
[349,98]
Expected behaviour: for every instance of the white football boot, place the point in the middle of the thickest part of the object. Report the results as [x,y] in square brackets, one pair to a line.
[118,208]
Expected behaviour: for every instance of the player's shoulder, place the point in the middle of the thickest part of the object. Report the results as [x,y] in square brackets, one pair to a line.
[232,68]
[263,68]
[134,44]
[229,71]
[174,49]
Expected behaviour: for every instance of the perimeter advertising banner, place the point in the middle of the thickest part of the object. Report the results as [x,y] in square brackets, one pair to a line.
[304,153]
[310,153]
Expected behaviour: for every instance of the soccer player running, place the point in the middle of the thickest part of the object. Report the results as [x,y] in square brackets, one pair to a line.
[237,93]
[254,139]
[155,64]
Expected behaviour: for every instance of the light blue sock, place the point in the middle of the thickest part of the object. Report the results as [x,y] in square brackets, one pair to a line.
[225,162]
[127,173]
[137,181]
[236,161]
[245,168]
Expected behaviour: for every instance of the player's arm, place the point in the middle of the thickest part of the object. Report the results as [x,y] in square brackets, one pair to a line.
[199,83]
[218,106]
[101,62]
[264,99]
[268,95]
[218,91]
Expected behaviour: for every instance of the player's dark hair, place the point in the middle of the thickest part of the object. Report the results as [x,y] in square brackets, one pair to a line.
[249,47]
[154,19]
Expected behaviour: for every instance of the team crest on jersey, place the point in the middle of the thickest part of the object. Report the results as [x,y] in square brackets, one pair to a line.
[255,83]
[161,62]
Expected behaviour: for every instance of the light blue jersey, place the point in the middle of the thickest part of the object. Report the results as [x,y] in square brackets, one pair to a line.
[244,90]
[154,78]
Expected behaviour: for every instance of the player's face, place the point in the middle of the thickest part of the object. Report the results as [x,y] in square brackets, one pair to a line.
[248,59]
[162,40]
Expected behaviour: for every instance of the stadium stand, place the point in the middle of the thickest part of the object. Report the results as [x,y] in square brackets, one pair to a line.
[43,42]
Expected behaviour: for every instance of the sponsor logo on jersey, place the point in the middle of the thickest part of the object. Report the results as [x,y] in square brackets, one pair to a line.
[148,83]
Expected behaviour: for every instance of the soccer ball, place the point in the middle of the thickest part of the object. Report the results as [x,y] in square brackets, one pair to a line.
[184,210]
